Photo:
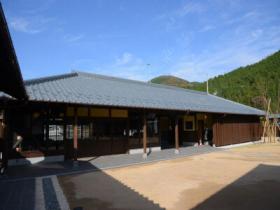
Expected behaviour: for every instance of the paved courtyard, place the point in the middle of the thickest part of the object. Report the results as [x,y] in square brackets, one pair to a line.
[199,178]
[36,186]
[240,178]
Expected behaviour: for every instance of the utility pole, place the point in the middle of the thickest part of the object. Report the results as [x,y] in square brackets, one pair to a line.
[207,86]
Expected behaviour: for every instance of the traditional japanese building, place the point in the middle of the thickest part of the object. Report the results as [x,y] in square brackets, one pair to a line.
[82,114]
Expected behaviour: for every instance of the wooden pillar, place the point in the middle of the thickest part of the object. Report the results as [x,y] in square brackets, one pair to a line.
[195,128]
[64,134]
[144,136]
[111,131]
[47,127]
[75,134]
[127,134]
[176,135]
[215,133]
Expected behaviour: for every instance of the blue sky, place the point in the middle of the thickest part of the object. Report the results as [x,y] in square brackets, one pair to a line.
[142,39]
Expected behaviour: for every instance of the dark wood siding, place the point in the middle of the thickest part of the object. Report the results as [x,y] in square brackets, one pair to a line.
[236,129]
[1,130]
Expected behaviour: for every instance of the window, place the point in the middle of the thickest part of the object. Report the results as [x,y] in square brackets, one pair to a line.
[101,129]
[119,128]
[134,133]
[83,131]
[46,134]
[55,136]
[152,127]
[69,132]
[79,132]
[152,130]
[56,132]
[189,123]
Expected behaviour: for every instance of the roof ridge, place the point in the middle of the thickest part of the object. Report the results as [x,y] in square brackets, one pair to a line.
[49,78]
[137,81]
[90,74]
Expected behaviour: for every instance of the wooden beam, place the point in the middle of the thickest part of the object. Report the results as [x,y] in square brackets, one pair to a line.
[176,135]
[144,136]
[75,134]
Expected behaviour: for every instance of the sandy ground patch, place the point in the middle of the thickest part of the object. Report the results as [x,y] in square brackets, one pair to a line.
[240,178]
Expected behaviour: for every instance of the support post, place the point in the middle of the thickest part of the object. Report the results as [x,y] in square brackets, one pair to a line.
[176,135]
[47,127]
[64,134]
[127,134]
[75,136]
[144,136]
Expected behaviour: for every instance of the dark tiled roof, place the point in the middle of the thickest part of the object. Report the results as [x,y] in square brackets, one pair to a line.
[272,116]
[5,96]
[11,81]
[93,89]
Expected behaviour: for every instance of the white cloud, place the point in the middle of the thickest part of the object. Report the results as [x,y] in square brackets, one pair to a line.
[126,65]
[190,8]
[207,28]
[73,38]
[23,25]
[250,37]
[173,19]
[32,25]
[246,49]
[235,19]
[167,55]
[130,66]
[125,58]
[257,33]
[41,6]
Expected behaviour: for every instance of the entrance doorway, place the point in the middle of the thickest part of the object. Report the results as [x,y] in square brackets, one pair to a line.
[167,137]
[200,130]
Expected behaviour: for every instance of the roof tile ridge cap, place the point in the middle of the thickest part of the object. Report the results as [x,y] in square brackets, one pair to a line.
[49,78]
[235,102]
[137,81]
[94,75]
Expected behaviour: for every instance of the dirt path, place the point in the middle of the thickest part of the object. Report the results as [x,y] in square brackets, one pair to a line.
[240,178]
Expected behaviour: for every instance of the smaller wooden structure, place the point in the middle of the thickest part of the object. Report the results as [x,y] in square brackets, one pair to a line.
[271,126]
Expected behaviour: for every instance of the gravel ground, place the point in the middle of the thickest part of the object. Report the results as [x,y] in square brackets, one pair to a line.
[240,178]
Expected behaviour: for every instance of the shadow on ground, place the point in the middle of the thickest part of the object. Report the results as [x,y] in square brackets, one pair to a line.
[258,189]
[17,195]
[98,190]
[88,188]
[100,162]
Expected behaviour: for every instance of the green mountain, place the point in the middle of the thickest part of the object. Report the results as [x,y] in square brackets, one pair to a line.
[248,85]
[172,81]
